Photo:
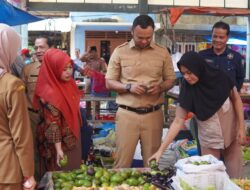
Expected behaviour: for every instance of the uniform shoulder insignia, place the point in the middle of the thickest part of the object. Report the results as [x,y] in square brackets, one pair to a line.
[161,46]
[19,88]
[230,56]
[122,44]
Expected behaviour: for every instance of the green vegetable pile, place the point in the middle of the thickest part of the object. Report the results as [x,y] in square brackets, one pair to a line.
[91,176]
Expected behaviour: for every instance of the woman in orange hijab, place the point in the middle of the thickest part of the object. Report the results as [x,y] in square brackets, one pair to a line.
[57,98]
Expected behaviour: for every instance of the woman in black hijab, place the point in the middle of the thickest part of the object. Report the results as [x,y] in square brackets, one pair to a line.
[210,94]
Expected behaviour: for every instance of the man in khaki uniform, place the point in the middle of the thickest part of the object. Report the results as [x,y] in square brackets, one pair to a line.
[30,73]
[29,76]
[140,71]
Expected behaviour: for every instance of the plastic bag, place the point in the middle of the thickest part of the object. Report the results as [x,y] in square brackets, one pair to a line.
[99,85]
[188,165]
[218,180]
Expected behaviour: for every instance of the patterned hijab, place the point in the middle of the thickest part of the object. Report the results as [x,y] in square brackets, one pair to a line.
[10,41]
[205,97]
[65,96]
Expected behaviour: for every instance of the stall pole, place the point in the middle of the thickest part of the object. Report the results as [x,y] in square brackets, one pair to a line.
[248,48]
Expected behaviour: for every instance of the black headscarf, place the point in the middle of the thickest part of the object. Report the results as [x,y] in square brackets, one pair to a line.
[205,97]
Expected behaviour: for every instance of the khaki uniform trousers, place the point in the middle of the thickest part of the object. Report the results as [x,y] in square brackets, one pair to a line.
[132,127]
[14,186]
[34,120]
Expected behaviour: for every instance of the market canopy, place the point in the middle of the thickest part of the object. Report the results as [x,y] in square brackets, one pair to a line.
[176,12]
[13,16]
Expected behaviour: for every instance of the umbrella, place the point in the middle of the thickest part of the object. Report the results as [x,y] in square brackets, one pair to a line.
[13,16]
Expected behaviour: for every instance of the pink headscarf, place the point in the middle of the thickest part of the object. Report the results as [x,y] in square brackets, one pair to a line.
[10,41]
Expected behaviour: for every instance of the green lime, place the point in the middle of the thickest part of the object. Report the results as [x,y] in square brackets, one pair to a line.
[96,182]
[79,183]
[57,184]
[87,183]
[105,184]
[135,174]
[62,175]
[132,182]
[146,186]
[63,162]
[88,177]
[104,179]
[83,167]
[98,174]
[80,176]
[66,184]
[116,178]
[114,184]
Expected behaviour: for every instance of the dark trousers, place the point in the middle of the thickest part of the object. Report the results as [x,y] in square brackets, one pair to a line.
[86,135]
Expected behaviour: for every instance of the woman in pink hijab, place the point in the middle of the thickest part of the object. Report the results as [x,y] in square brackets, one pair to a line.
[16,143]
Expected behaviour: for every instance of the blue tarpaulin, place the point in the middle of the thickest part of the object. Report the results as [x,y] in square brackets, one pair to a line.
[13,16]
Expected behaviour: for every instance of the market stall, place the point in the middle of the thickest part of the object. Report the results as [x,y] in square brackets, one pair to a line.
[191,173]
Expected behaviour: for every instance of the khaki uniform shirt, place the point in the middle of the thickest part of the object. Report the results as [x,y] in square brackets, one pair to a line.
[29,76]
[16,142]
[148,66]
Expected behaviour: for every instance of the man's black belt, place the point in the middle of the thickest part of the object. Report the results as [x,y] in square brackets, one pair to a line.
[141,110]
[32,110]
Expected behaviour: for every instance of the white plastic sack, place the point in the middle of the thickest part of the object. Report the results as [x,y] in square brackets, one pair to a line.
[219,180]
[186,165]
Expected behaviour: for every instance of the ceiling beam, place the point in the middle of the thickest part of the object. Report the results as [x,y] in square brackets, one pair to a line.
[83,7]
[142,8]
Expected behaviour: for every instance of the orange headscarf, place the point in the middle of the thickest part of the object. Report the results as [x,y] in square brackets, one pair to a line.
[65,96]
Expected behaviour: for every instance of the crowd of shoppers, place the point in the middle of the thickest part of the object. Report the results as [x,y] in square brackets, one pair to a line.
[44,108]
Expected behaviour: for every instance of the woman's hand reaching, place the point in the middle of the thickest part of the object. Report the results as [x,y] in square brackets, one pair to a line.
[59,156]
[156,156]
[59,153]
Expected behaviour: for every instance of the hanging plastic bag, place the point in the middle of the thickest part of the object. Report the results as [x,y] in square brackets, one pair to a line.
[99,85]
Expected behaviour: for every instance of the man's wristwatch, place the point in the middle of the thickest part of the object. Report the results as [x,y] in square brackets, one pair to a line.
[128,87]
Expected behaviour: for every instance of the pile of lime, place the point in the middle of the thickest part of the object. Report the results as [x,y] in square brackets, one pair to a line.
[97,177]
[89,176]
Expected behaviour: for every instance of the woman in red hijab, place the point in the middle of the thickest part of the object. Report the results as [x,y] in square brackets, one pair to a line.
[57,98]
